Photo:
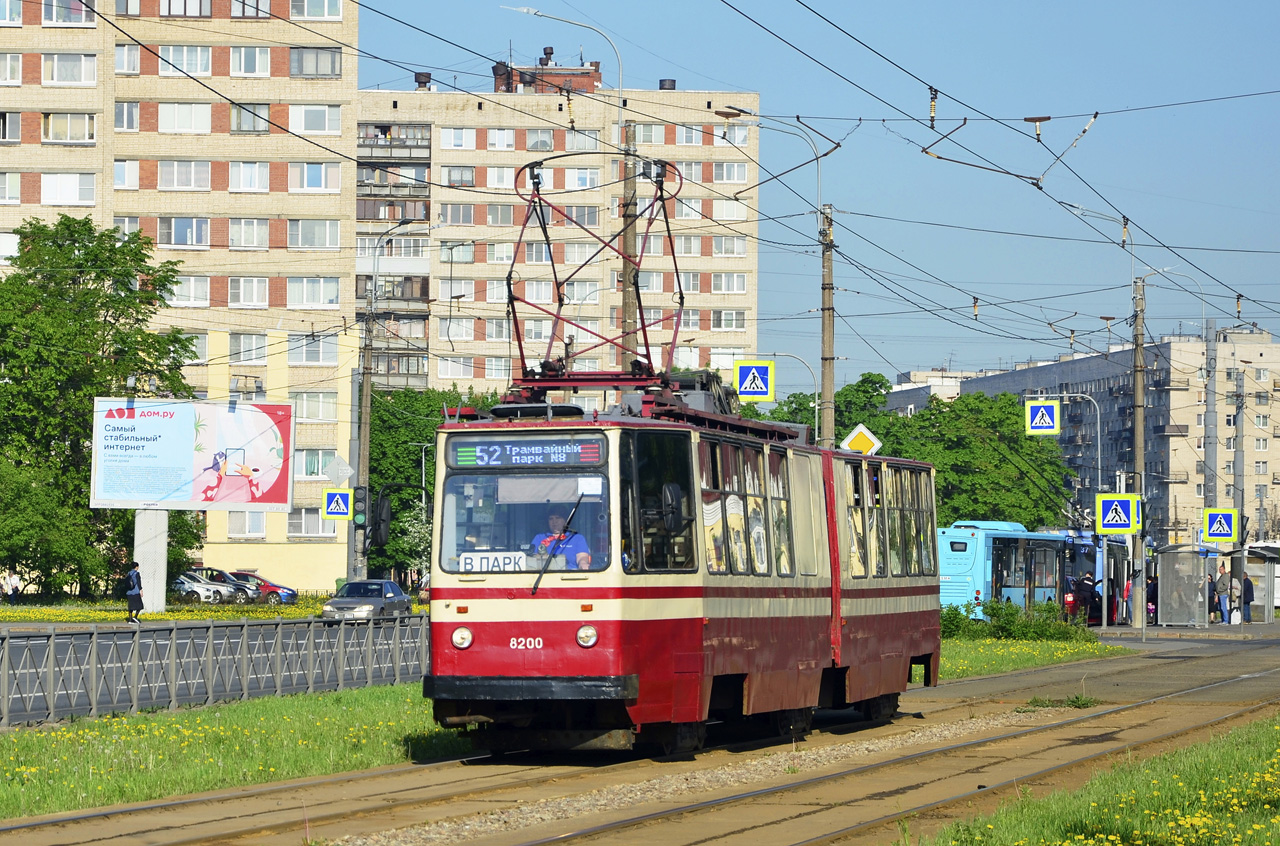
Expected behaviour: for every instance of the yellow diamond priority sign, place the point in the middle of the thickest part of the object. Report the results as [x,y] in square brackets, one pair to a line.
[861,440]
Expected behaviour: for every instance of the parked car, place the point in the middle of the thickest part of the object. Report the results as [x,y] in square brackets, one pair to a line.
[191,587]
[366,599]
[272,593]
[244,592]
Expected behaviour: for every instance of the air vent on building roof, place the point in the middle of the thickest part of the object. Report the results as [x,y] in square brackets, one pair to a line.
[422,79]
[666,85]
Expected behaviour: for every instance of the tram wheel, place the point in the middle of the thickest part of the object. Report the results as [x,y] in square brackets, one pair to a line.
[794,722]
[679,738]
[880,708]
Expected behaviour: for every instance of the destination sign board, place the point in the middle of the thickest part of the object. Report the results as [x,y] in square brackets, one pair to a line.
[505,451]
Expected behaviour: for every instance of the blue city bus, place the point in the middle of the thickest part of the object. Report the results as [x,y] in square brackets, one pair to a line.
[990,559]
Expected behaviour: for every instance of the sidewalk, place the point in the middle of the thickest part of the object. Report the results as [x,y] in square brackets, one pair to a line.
[1217,631]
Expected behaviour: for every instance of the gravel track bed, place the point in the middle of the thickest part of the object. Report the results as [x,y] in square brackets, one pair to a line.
[680,787]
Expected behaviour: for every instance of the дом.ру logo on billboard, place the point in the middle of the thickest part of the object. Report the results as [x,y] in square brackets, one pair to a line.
[132,413]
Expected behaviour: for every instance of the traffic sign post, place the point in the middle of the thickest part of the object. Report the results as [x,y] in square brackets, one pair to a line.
[1043,417]
[1221,525]
[1118,514]
[337,504]
[755,381]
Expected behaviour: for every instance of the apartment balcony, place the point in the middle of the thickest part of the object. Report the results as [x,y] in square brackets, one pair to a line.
[1173,430]
[1180,477]
[1075,418]
[378,190]
[1170,383]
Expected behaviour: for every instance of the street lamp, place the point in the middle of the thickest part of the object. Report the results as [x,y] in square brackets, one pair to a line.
[815,388]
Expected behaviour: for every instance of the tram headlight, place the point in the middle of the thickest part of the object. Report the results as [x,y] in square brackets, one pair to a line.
[587,636]
[461,637]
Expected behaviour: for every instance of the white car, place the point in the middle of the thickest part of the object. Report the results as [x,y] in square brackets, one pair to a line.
[193,588]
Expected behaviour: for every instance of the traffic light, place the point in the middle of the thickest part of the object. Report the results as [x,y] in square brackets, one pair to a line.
[380,525]
[360,506]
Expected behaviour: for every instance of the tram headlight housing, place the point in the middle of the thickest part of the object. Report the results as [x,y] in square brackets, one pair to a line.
[461,637]
[587,636]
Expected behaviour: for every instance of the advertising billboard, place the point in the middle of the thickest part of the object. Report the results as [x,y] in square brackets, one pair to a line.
[192,455]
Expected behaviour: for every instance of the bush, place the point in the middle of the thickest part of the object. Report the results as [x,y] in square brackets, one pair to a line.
[1006,621]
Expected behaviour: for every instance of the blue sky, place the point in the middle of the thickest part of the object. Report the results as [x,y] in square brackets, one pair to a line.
[920,237]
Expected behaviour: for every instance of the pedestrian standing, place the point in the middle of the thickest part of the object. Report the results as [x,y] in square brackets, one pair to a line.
[133,593]
[12,587]
[1246,598]
[1222,590]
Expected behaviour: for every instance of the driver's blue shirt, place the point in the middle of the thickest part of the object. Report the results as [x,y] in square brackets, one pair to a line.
[568,544]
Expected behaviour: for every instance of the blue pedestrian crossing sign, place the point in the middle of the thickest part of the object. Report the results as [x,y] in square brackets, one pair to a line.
[1043,417]
[1118,514]
[1221,525]
[337,504]
[755,381]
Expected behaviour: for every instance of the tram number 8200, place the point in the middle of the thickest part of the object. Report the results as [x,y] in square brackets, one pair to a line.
[526,643]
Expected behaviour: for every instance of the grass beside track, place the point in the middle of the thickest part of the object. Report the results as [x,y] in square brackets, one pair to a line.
[116,760]
[1223,791]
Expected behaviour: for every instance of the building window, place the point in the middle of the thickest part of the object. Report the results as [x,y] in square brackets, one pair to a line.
[250,8]
[1262,421]
[497,368]
[456,138]
[651,133]
[186,8]
[728,245]
[728,320]
[1260,444]
[688,209]
[539,140]
[685,358]
[68,128]
[502,177]
[457,289]
[734,135]
[310,463]
[126,225]
[250,61]
[316,9]
[458,252]
[11,12]
[449,367]
[313,291]
[729,210]
[315,405]
[1229,468]
[66,189]
[1230,421]
[497,329]
[313,62]
[500,253]
[1200,421]
[69,69]
[190,292]
[502,139]
[460,177]
[315,120]
[690,282]
[313,235]
[126,175]
[537,253]
[728,283]
[310,522]
[318,177]
[1200,490]
[688,135]
[250,118]
[722,358]
[688,245]
[192,232]
[456,214]
[539,290]
[581,177]
[582,140]
[185,60]
[246,524]
[247,292]
[127,59]
[313,349]
[126,117]
[729,172]
[537,330]
[199,348]
[183,176]
[187,118]
[583,215]
[581,292]
[690,171]
[501,215]
[248,176]
[10,188]
[1229,444]
[1262,398]
[66,12]
[1260,467]
[1261,373]
[457,329]
[581,252]
[691,319]
[248,233]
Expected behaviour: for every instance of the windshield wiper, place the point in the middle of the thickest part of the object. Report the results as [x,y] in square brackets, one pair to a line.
[551,552]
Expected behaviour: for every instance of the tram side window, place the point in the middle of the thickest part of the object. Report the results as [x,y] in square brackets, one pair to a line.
[757,534]
[809,539]
[735,508]
[928,524]
[892,496]
[780,513]
[661,462]
[857,540]
[731,515]
[913,537]
[877,534]
[716,549]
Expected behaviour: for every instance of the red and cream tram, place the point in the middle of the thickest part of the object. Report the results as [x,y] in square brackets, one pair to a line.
[730,571]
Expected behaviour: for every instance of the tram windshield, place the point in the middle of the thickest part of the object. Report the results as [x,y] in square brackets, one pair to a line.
[516,524]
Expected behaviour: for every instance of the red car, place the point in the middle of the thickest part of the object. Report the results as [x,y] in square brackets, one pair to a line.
[272,593]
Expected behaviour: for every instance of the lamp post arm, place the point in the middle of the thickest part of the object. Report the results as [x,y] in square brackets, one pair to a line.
[815,387]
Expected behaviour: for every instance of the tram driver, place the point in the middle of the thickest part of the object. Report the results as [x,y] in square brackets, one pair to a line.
[555,541]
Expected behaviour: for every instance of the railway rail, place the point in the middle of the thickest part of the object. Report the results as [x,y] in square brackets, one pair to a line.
[462,798]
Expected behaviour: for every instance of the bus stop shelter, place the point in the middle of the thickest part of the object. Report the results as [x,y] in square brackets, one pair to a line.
[1185,576]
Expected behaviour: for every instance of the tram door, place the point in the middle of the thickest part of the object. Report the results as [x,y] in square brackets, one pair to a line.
[1046,560]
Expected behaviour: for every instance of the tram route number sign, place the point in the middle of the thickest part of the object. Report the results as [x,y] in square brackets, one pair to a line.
[1118,514]
[521,452]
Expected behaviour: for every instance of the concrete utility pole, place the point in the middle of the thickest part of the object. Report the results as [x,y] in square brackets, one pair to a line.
[630,224]
[1211,415]
[827,436]
[1237,462]
[1139,427]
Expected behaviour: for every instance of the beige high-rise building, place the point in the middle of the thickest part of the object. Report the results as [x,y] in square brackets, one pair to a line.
[224,130]
[456,159]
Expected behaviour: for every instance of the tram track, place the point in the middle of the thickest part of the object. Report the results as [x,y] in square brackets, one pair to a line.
[351,804]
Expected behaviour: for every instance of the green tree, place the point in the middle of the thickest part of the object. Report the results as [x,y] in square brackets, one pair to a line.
[402,421]
[75,315]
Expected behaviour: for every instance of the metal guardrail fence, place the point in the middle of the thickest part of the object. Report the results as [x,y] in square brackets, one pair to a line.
[59,673]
